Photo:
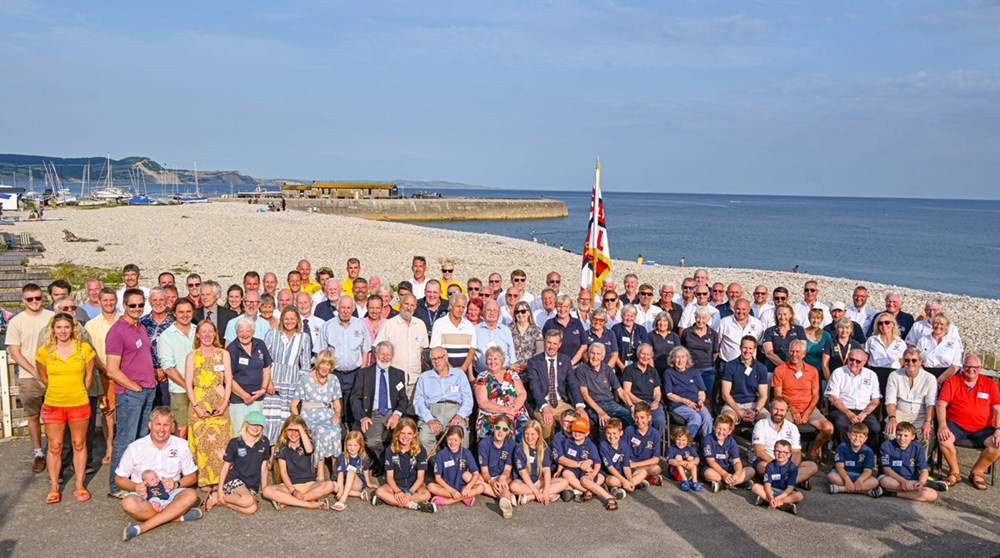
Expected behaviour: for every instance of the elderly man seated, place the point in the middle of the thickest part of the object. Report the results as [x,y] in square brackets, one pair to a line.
[854,395]
[968,407]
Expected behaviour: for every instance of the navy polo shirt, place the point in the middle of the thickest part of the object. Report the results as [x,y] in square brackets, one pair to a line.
[687,451]
[662,347]
[297,463]
[855,462]
[701,347]
[685,384]
[643,383]
[601,385]
[574,335]
[746,380]
[494,458]
[246,460]
[724,454]
[580,452]
[405,466]
[248,369]
[615,458]
[608,339]
[642,446]
[451,465]
[357,464]
[780,476]
[529,461]
[906,462]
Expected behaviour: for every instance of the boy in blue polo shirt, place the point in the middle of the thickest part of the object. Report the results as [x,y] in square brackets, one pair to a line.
[683,460]
[723,466]
[905,469]
[582,466]
[854,466]
[643,442]
[622,478]
[778,490]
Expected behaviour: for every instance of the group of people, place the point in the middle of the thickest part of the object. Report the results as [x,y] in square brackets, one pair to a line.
[313,390]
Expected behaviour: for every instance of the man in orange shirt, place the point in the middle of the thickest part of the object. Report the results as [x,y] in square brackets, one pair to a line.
[798,383]
[969,407]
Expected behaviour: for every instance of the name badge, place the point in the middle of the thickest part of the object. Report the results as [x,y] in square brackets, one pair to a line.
[776,476]
[244,361]
[449,463]
[399,386]
[798,375]
[636,442]
[983,395]
[720,456]
[219,368]
[571,452]
[352,469]
[242,452]
[627,339]
[850,463]
[616,458]
[531,459]
[897,463]
[138,343]
[453,389]
[748,371]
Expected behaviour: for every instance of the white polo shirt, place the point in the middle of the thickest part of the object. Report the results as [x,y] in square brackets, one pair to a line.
[862,316]
[854,391]
[881,356]
[923,327]
[173,461]
[731,332]
[687,317]
[765,434]
[802,313]
[941,355]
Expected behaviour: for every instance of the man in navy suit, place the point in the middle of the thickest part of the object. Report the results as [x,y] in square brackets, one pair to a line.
[212,311]
[378,400]
[541,370]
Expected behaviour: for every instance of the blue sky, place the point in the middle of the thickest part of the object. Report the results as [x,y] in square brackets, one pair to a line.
[895,98]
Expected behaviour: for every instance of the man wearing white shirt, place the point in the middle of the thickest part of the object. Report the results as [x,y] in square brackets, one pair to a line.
[547,311]
[419,268]
[810,294]
[130,277]
[769,430]
[923,327]
[760,303]
[860,312]
[732,329]
[854,395]
[778,296]
[645,311]
[553,281]
[701,294]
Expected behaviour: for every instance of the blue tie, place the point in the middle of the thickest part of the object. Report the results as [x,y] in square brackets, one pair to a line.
[383,393]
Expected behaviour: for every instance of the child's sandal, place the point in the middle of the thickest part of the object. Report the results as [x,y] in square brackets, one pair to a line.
[339,506]
[587,496]
[611,504]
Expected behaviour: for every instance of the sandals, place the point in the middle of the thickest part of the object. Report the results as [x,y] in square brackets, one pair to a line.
[978,481]
[611,504]
[324,504]
[953,478]
[82,495]
[276,505]
[338,506]
[53,497]
[587,496]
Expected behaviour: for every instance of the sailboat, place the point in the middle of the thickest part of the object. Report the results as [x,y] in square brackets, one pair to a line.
[109,192]
[141,196]
[63,195]
[197,196]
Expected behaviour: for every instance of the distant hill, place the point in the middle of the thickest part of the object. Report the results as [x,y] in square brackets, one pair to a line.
[135,170]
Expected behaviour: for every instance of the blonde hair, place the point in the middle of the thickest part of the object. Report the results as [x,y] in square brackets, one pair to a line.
[540,446]
[75,336]
[360,439]
[293,420]
[325,357]
[396,447]
[245,433]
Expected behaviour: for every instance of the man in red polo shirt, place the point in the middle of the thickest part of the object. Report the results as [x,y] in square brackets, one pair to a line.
[969,407]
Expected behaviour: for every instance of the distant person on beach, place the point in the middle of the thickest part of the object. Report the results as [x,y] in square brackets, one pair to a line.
[639,260]
[681,262]
[810,300]
[795,269]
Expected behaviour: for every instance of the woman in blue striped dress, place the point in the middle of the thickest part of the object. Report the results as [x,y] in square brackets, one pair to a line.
[291,351]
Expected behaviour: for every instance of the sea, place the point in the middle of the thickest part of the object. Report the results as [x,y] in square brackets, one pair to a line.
[950,246]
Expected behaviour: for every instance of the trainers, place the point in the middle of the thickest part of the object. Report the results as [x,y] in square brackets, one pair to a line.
[469,501]
[438,500]
[566,495]
[427,507]
[834,489]
[747,484]
[759,501]
[120,494]
[643,485]
[876,492]
[374,500]
[696,486]
[805,485]
[130,532]
[38,464]
[789,508]
[619,493]
[507,508]
[940,486]
[715,487]
[655,480]
[685,486]
[193,514]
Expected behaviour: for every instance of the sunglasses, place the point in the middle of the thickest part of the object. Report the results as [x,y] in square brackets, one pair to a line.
[520,279]
[554,281]
[701,294]
[136,305]
[760,294]
[193,285]
[718,291]
[484,295]
[68,309]
[497,281]
[884,323]
[473,289]
[809,290]
[611,299]
[33,299]
[911,360]
[645,294]
[687,288]
[501,428]
[522,311]
[781,452]
[780,298]
[854,360]
[447,271]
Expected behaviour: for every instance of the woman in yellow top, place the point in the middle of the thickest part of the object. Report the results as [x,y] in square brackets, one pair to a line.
[209,379]
[65,363]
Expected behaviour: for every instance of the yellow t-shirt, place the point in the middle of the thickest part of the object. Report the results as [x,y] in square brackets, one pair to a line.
[310,286]
[347,287]
[446,284]
[66,377]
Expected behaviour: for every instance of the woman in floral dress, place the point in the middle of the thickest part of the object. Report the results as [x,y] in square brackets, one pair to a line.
[209,383]
[499,391]
[317,399]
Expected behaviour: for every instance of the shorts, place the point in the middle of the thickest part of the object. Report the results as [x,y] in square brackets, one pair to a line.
[815,415]
[674,473]
[62,415]
[852,475]
[233,485]
[31,394]
[179,405]
[977,437]
[168,499]
[741,407]
[778,491]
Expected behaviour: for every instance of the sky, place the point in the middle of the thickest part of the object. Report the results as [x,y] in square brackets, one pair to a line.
[848,98]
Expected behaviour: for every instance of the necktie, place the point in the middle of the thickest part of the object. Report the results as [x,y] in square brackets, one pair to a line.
[305,325]
[553,396]
[383,393]
[208,316]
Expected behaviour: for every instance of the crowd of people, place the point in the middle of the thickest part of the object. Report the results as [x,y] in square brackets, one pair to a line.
[310,390]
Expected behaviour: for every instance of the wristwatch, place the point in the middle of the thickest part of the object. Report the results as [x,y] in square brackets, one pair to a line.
[890,417]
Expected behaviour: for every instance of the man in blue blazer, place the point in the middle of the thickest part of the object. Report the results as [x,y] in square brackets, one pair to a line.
[378,400]
[540,368]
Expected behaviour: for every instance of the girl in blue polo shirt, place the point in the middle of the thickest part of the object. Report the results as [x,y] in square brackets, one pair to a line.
[405,467]
[456,478]
[297,484]
[496,461]
[353,471]
[246,458]
[582,466]
[533,464]
[722,466]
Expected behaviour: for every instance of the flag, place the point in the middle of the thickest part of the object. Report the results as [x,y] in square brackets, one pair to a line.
[596,254]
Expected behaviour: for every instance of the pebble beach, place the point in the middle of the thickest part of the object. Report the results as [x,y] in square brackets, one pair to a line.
[223,240]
